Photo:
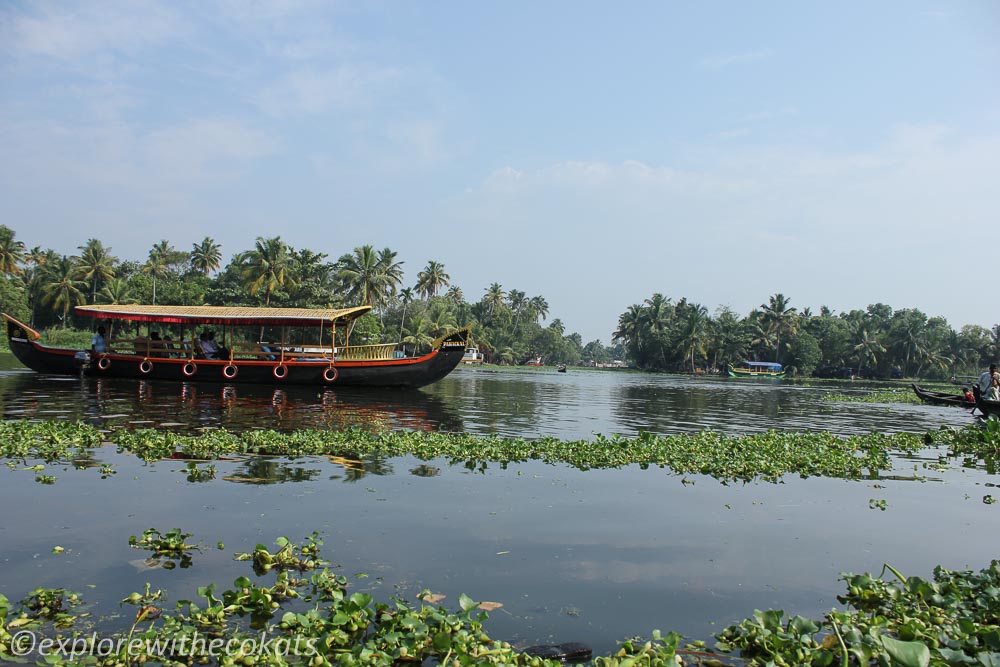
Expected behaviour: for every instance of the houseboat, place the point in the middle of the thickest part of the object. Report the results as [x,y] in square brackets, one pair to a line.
[755,369]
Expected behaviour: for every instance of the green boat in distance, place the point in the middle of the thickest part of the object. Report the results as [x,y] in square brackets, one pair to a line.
[757,369]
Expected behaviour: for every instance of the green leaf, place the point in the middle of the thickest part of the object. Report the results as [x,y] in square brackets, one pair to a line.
[907,654]
[442,641]
[466,603]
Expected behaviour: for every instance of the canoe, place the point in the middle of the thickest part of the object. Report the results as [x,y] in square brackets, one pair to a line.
[987,407]
[310,347]
[942,397]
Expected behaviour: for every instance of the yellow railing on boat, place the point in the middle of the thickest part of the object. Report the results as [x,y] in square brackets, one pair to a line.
[261,351]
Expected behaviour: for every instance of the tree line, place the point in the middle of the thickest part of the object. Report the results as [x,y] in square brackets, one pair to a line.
[41,287]
[878,342]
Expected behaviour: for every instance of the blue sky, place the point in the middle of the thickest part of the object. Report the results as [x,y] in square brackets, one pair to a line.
[593,153]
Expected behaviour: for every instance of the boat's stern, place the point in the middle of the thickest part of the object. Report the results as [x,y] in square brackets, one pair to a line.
[24,344]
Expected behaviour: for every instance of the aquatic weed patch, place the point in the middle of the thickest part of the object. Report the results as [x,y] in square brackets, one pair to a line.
[951,619]
[913,622]
[767,456]
[879,396]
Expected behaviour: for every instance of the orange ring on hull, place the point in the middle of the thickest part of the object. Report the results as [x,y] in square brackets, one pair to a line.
[330,374]
[145,366]
[280,371]
[230,371]
[103,363]
[189,369]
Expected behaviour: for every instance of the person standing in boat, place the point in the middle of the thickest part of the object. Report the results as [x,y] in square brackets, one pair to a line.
[99,344]
[989,384]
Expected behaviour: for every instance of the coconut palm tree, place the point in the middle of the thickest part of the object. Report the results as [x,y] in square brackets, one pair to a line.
[539,306]
[494,298]
[779,319]
[405,296]
[432,279]
[267,267]
[516,301]
[116,291]
[95,265]
[11,252]
[368,276]
[61,289]
[455,294]
[155,267]
[441,318]
[695,332]
[206,256]
[867,348]
[419,333]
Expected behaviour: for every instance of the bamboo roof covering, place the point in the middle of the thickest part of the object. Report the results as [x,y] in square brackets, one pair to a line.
[223,315]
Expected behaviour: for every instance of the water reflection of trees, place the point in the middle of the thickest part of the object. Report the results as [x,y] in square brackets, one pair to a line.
[261,470]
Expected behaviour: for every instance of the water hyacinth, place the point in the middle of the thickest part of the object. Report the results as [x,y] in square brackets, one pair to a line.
[766,456]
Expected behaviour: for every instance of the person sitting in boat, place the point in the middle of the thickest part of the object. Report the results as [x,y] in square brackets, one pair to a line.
[988,384]
[156,345]
[969,396]
[221,352]
[208,346]
[99,344]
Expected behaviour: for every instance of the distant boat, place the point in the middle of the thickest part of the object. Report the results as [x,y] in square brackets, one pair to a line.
[561,368]
[767,369]
[536,361]
[473,356]
[942,398]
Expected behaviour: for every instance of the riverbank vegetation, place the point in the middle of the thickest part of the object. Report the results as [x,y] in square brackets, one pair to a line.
[309,616]
[877,342]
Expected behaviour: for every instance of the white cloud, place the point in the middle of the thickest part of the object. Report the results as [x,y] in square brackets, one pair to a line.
[730,59]
[54,31]
[347,86]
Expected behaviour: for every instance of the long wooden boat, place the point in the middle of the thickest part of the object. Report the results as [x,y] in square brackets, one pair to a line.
[987,407]
[757,369]
[313,348]
[942,397]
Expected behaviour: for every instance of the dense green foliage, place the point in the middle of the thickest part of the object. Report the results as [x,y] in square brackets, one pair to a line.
[876,342]
[41,288]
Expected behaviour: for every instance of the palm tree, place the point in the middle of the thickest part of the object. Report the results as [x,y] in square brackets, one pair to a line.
[779,319]
[267,267]
[455,294]
[116,291]
[867,348]
[95,265]
[695,333]
[370,277]
[432,279]
[61,289]
[419,333]
[392,273]
[206,256]
[155,267]
[539,306]
[11,252]
[440,318]
[516,300]
[406,296]
[659,315]
[494,297]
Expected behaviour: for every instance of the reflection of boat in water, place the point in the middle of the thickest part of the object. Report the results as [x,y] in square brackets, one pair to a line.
[313,348]
[187,406]
[767,369]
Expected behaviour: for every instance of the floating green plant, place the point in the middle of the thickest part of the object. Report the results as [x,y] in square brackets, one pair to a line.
[910,621]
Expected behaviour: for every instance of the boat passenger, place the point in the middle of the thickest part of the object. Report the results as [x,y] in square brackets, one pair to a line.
[208,346]
[969,396]
[220,350]
[156,345]
[99,344]
[988,383]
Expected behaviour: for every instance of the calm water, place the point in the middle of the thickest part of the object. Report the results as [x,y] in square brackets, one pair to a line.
[591,556]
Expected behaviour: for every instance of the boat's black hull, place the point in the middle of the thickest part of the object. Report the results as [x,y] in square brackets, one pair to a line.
[410,372]
[942,398]
[987,407]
